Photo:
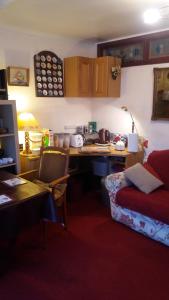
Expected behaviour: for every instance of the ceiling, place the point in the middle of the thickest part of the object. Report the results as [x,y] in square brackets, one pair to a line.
[84,19]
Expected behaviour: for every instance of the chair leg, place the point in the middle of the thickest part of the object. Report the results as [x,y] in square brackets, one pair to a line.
[65,212]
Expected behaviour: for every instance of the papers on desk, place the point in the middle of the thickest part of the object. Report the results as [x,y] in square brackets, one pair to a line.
[14,181]
[95,150]
[4,199]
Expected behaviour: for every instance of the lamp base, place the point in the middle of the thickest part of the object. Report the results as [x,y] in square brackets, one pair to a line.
[27,152]
[27,145]
[133,142]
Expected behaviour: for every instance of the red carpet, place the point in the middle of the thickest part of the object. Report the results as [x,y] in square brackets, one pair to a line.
[96,259]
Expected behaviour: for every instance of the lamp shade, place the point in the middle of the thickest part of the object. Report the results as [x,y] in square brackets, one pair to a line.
[27,122]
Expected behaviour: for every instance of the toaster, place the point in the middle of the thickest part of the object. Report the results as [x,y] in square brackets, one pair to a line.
[76,140]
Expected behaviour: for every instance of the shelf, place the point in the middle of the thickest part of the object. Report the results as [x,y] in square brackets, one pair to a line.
[140,50]
[7,165]
[6,134]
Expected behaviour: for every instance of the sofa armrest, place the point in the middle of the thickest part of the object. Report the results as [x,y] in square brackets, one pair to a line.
[114,182]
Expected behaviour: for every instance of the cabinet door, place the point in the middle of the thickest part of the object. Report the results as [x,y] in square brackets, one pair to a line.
[100,82]
[104,85]
[78,76]
[85,67]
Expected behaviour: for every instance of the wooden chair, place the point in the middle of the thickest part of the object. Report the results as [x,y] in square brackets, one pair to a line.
[53,175]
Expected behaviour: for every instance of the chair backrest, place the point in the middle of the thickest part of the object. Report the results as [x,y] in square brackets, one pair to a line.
[54,163]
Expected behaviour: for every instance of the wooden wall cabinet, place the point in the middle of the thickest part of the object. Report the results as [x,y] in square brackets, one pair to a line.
[78,76]
[9,139]
[91,77]
[103,83]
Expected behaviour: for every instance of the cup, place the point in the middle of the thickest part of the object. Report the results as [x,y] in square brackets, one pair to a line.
[66,143]
[60,140]
[4,160]
[55,139]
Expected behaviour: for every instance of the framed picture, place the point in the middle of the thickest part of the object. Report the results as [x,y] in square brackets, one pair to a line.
[18,76]
[161,94]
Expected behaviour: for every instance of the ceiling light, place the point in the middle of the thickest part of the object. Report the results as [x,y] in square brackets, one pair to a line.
[151,16]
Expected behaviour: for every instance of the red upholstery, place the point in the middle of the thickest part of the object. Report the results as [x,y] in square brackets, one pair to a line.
[154,205]
[159,160]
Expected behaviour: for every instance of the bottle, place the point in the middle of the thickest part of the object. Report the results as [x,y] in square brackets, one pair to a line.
[45,137]
[51,137]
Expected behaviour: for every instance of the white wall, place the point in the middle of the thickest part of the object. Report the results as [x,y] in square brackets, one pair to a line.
[18,49]
[137,95]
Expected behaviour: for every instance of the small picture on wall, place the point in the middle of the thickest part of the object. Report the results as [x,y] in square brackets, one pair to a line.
[18,76]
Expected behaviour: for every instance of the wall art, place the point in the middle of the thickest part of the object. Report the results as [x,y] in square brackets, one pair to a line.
[18,76]
[161,94]
[48,68]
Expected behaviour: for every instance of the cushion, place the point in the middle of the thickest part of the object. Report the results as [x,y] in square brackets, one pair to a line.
[142,179]
[154,205]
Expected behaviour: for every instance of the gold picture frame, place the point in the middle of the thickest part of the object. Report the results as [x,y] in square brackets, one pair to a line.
[161,94]
[18,76]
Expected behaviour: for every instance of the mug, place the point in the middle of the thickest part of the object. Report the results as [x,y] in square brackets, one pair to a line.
[58,139]
[66,142]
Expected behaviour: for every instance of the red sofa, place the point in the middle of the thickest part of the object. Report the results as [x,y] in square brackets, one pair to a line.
[146,213]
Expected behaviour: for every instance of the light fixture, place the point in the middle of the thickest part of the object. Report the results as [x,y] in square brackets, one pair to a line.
[151,16]
[133,124]
[132,137]
[27,122]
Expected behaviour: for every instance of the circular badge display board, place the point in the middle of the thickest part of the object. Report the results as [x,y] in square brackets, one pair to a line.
[48,69]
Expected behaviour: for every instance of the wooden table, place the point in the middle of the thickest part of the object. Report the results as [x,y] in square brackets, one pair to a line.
[26,208]
[30,162]
[129,158]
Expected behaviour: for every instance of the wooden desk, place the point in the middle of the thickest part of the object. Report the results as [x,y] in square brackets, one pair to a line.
[30,162]
[129,158]
[26,208]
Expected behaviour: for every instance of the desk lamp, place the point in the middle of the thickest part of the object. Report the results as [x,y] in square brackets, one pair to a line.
[132,137]
[27,122]
[133,124]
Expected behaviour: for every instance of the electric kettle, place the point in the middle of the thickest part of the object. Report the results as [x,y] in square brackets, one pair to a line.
[104,136]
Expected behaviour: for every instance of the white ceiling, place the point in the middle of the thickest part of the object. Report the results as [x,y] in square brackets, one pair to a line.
[84,19]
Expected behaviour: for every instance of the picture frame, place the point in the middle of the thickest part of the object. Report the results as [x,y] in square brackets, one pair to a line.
[160,109]
[18,76]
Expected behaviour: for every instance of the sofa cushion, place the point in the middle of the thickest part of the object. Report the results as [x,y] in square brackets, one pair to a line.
[159,160]
[154,205]
[142,178]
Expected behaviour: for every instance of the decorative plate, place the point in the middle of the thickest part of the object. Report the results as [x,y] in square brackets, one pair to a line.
[48,69]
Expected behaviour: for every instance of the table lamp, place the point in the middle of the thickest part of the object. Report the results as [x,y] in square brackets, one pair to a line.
[133,124]
[27,122]
[132,137]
